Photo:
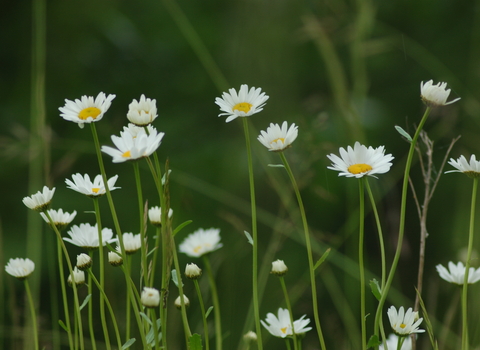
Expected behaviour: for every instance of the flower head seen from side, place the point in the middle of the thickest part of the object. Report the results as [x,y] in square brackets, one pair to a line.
[41,200]
[86,236]
[131,242]
[142,112]
[278,138]
[435,95]
[78,276]
[471,169]
[131,147]
[404,323]
[392,343]
[115,259]
[281,326]
[95,188]
[456,273]
[279,268]
[178,302]
[59,218]
[150,297]
[155,215]
[244,104]
[20,268]
[361,161]
[201,242]
[87,109]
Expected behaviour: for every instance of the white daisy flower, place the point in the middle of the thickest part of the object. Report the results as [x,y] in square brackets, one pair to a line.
[86,236]
[131,147]
[471,169]
[150,297]
[278,138]
[201,242]
[134,130]
[131,242]
[404,323]
[457,273]
[281,326]
[115,259]
[78,275]
[20,268]
[435,95]
[86,110]
[155,215]
[243,104]
[84,261]
[360,161]
[40,201]
[84,185]
[60,219]
[142,112]
[279,268]
[192,271]
[178,302]
[392,343]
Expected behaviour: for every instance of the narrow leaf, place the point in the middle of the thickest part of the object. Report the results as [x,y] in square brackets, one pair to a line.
[403,133]
[175,277]
[151,251]
[150,337]
[208,311]
[146,318]
[322,259]
[276,165]
[182,225]
[128,343]
[60,322]
[195,342]
[85,302]
[249,237]
[376,290]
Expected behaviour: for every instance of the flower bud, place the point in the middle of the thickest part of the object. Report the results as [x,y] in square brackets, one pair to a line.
[150,297]
[192,271]
[84,262]
[115,259]
[249,337]
[79,277]
[178,302]
[279,268]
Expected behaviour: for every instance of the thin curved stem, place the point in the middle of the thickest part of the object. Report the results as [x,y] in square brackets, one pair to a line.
[289,307]
[32,312]
[216,303]
[361,264]
[204,318]
[142,223]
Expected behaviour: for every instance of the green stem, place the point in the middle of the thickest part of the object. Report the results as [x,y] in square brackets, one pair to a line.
[465,344]
[155,329]
[401,229]
[102,269]
[309,250]
[289,307]
[204,318]
[142,223]
[256,310]
[287,343]
[64,294]
[361,264]
[128,308]
[32,312]
[216,303]
[90,308]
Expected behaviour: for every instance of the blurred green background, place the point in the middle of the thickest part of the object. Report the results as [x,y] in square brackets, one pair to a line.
[343,71]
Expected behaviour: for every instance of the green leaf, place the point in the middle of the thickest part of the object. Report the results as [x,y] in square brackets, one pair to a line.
[60,322]
[403,133]
[208,311]
[146,318]
[128,343]
[149,337]
[85,302]
[151,251]
[428,323]
[164,176]
[175,277]
[322,258]
[373,342]
[276,165]
[376,290]
[182,225]
[249,237]
[195,342]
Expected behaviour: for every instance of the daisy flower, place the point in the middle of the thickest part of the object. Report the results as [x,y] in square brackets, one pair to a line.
[78,275]
[84,185]
[192,271]
[201,242]
[402,323]
[86,110]
[456,273]
[20,268]
[244,104]
[281,326]
[131,242]
[392,343]
[471,169]
[360,161]
[142,112]
[134,130]
[150,297]
[40,201]
[59,218]
[86,236]
[131,147]
[279,268]
[178,302]
[435,95]
[278,138]
[84,261]
[115,259]
[155,215]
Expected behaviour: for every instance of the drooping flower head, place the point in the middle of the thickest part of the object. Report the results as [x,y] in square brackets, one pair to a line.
[404,323]
[40,201]
[435,95]
[142,112]
[361,161]
[278,138]
[60,219]
[281,326]
[20,268]
[84,185]
[201,242]
[456,273]
[471,169]
[150,297]
[87,109]
[244,104]
[86,236]
[132,146]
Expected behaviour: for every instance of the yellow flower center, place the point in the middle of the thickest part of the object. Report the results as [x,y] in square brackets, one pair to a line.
[126,154]
[243,107]
[200,246]
[284,330]
[359,168]
[403,325]
[279,139]
[89,112]
[95,190]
